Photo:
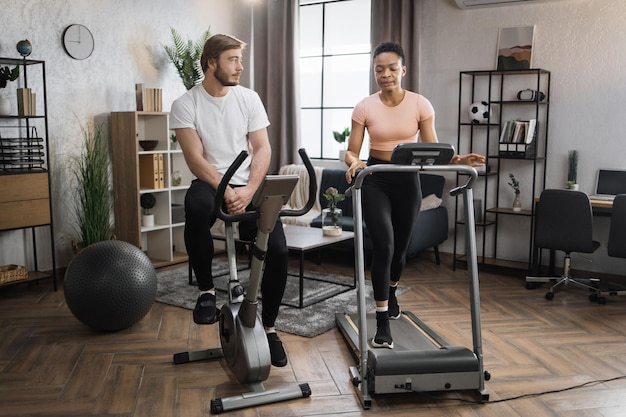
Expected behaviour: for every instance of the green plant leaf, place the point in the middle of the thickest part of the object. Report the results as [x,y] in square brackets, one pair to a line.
[91,171]
[185,55]
[7,74]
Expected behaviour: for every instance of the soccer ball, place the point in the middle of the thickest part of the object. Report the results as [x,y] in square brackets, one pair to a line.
[479,112]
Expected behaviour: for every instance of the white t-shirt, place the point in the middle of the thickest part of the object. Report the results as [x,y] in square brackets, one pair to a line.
[222,123]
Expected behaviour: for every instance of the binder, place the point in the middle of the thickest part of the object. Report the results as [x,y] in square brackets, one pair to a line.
[161,171]
[149,171]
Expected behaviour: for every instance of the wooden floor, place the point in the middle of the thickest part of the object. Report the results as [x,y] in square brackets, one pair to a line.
[534,349]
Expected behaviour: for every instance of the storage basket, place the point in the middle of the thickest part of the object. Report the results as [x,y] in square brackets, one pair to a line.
[10,273]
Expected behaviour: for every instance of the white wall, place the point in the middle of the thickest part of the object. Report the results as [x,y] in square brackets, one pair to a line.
[128,49]
[581,43]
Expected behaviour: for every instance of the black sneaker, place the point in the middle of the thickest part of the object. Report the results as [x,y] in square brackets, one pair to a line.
[382,339]
[205,311]
[277,351]
[394,312]
[393,307]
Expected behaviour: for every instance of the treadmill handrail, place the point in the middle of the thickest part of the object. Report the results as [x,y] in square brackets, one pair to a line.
[463,169]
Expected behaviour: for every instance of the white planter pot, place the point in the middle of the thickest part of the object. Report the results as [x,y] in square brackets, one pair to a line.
[5,106]
[147,220]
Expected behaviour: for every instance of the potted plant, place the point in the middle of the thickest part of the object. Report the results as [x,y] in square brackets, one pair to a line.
[92,206]
[341,138]
[186,57]
[147,202]
[174,141]
[517,204]
[572,170]
[7,75]
[331,215]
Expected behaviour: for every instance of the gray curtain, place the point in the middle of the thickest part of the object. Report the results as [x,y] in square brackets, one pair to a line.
[398,21]
[276,75]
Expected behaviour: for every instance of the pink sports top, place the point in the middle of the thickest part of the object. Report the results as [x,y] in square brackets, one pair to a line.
[390,126]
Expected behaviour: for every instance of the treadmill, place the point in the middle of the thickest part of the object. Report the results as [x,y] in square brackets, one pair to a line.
[420,361]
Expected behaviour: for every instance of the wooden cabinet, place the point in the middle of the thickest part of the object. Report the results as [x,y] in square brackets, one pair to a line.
[24,166]
[133,169]
[516,98]
[24,200]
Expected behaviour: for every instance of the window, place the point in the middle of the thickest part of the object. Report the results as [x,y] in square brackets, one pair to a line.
[335,68]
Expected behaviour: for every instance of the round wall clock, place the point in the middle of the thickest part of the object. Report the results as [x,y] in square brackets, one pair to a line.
[78,41]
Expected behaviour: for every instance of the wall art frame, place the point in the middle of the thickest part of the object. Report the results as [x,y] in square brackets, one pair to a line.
[515,48]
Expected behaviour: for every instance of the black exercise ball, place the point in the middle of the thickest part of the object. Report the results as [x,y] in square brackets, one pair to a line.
[110,285]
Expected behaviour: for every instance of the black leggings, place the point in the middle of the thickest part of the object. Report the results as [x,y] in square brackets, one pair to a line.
[391,202]
[200,217]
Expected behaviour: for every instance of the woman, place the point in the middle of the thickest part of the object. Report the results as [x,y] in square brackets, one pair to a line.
[390,200]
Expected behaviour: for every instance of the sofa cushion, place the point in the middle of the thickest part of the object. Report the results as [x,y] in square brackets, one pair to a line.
[431,226]
[333,177]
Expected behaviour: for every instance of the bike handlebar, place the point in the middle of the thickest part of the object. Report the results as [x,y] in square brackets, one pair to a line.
[249,215]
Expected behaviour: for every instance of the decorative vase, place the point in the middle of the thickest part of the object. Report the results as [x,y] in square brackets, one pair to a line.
[177,179]
[147,220]
[331,222]
[5,106]
[517,204]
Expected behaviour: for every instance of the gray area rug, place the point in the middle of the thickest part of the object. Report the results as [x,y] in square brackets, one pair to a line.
[173,288]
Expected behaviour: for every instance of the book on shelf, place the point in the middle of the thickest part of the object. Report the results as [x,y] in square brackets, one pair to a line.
[139,96]
[26,102]
[531,132]
[148,99]
[517,137]
[518,131]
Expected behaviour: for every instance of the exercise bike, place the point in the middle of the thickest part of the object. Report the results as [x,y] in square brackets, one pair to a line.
[244,344]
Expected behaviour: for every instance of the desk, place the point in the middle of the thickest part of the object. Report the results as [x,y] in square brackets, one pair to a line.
[601,207]
[595,204]
[601,203]
[303,239]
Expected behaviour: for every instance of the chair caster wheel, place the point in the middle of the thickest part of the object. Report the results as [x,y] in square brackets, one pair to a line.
[594,297]
[602,300]
[532,285]
[549,295]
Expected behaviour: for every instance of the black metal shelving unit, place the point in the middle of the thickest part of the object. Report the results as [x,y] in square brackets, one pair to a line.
[500,88]
[25,194]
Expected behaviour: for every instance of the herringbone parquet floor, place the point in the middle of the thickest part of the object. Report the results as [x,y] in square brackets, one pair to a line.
[52,365]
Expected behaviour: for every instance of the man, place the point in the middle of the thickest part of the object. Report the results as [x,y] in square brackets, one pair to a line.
[214,122]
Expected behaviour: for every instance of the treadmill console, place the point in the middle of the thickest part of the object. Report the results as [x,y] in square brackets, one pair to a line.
[422,154]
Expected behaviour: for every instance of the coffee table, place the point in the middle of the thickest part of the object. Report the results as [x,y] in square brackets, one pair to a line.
[304,239]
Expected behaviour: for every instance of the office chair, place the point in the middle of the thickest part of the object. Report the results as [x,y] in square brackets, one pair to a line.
[617,240]
[564,222]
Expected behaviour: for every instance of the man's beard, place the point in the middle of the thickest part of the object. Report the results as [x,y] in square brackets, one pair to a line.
[223,78]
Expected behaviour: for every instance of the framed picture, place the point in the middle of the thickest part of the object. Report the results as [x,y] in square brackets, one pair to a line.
[515,48]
